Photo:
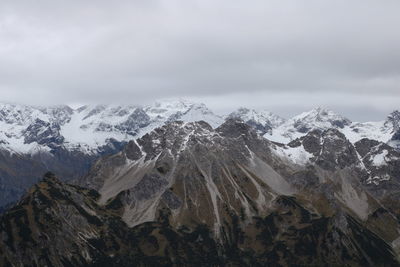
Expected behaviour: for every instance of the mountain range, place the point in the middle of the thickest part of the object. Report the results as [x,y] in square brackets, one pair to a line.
[174,184]
[188,194]
[36,139]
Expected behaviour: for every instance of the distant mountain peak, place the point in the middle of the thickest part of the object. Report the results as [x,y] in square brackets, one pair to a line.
[261,120]
[322,114]
[319,118]
[89,127]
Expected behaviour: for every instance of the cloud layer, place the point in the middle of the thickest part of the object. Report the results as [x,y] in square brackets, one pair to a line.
[286,55]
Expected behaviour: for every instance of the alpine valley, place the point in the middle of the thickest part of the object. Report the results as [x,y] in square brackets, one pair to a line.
[173,184]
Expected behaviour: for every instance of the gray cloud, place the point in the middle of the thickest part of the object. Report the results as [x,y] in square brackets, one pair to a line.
[283,55]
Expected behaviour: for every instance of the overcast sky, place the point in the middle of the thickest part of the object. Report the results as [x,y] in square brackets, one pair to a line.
[285,56]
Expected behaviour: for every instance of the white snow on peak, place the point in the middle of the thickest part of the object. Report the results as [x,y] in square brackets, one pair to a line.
[319,114]
[90,127]
[323,119]
[372,130]
[300,125]
[163,109]
[263,117]
[181,109]
[15,119]
[319,118]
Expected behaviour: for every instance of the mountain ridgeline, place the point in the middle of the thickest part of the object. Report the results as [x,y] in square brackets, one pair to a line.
[195,194]
[68,141]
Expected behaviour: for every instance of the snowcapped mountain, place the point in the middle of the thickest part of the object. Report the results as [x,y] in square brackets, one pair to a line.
[24,128]
[28,129]
[88,129]
[300,125]
[386,131]
[261,120]
[35,139]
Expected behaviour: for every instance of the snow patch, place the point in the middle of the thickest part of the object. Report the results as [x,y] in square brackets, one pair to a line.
[297,155]
[379,159]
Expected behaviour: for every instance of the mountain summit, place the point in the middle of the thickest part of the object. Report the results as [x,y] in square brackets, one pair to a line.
[315,119]
[263,121]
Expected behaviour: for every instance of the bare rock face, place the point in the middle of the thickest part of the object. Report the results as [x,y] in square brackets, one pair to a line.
[44,133]
[330,149]
[137,120]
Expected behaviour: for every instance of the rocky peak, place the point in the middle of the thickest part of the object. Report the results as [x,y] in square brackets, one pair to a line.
[298,126]
[188,108]
[319,118]
[91,111]
[175,137]
[168,107]
[181,110]
[330,148]
[59,114]
[262,121]
[15,114]
[23,114]
[43,133]
[200,107]
[234,127]
[136,120]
